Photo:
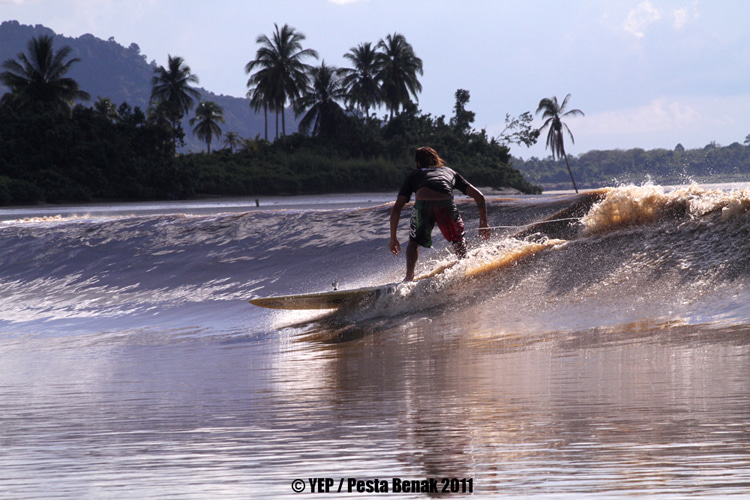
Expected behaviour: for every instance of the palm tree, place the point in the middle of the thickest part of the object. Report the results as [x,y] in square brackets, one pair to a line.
[361,83]
[398,67]
[170,88]
[232,140]
[250,144]
[282,75]
[38,79]
[319,100]
[260,97]
[107,109]
[552,112]
[208,114]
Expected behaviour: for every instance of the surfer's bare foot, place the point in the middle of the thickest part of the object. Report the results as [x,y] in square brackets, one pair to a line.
[460,248]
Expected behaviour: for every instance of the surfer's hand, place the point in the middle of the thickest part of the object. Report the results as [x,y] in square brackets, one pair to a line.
[395,246]
[484,232]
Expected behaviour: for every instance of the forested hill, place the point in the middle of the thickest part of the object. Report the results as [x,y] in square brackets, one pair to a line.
[107,69]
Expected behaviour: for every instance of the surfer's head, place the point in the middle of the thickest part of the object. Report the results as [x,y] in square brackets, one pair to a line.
[428,157]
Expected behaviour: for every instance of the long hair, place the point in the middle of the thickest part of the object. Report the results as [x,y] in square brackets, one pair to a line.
[428,157]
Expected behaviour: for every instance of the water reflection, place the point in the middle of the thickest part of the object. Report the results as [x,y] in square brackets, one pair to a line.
[644,408]
[652,409]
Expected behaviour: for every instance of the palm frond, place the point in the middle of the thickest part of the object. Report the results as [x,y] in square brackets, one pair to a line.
[38,77]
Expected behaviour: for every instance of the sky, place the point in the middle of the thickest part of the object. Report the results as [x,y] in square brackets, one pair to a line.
[645,73]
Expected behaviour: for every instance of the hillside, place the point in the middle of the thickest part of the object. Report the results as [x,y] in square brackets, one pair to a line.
[107,69]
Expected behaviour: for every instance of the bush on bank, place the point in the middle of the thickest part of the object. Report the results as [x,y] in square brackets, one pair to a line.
[48,157]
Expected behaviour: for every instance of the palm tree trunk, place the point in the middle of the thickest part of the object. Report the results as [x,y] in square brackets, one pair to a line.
[174,135]
[265,114]
[570,172]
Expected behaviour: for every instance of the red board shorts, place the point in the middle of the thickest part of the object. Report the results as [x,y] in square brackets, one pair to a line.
[427,213]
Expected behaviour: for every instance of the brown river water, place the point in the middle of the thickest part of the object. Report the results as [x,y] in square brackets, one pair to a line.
[609,359]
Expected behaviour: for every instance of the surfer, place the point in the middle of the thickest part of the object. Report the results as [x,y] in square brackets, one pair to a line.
[432,184]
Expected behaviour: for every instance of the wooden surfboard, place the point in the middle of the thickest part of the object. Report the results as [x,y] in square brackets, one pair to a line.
[325,300]
[352,298]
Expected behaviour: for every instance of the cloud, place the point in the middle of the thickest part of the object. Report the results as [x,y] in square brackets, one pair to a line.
[640,18]
[659,115]
[680,18]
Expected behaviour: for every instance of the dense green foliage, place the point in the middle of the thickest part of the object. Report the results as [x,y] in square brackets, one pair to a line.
[54,157]
[663,166]
[367,155]
[48,153]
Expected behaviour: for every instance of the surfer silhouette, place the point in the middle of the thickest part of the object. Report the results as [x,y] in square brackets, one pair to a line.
[432,183]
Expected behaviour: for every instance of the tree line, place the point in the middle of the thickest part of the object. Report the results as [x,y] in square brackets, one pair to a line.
[54,149]
[712,163]
[385,74]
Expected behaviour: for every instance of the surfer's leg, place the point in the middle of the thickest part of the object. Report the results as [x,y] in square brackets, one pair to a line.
[420,234]
[452,226]
[421,224]
[412,254]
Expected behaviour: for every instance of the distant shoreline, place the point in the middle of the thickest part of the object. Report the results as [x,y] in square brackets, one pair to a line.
[208,204]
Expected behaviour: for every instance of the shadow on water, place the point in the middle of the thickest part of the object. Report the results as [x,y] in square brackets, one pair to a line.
[341,327]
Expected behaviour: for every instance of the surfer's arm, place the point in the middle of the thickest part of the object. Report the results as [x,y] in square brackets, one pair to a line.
[394,245]
[484,230]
